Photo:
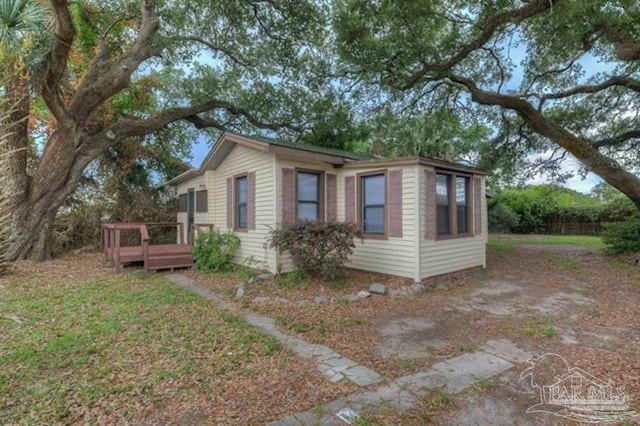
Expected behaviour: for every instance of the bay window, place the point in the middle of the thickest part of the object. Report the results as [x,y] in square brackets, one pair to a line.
[452,204]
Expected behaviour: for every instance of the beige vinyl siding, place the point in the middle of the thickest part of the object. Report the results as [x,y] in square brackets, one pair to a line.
[242,160]
[449,255]
[284,259]
[410,256]
[485,215]
[396,256]
[211,213]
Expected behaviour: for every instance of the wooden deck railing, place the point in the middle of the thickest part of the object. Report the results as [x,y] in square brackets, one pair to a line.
[197,228]
[111,242]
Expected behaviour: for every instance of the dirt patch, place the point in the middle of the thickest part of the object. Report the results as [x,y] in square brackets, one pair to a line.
[573,301]
[500,287]
[560,301]
[408,338]
[517,298]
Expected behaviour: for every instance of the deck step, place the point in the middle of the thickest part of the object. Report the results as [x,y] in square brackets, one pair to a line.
[186,253]
[170,261]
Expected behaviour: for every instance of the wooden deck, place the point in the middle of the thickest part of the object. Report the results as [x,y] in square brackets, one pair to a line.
[152,256]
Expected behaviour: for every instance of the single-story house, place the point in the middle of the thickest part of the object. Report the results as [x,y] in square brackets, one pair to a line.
[421,217]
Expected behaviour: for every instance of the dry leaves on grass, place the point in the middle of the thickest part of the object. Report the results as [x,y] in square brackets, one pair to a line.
[98,347]
[610,323]
[293,287]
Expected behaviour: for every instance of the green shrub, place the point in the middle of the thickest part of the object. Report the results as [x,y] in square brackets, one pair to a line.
[619,209]
[317,248]
[213,251]
[622,237]
[548,209]
[502,218]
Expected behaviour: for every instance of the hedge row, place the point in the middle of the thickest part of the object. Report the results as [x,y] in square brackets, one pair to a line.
[542,217]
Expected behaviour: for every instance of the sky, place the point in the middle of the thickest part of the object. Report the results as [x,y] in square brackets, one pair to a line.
[576,183]
[199,150]
[591,65]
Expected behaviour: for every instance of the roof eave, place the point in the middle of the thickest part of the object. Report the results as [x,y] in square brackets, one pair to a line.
[309,155]
[182,177]
[414,160]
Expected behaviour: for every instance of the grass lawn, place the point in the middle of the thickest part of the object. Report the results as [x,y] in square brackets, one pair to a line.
[128,348]
[505,242]
[112,345]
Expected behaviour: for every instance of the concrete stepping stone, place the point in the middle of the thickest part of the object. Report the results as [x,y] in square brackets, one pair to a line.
[330,363]
[403,393]
[504,349]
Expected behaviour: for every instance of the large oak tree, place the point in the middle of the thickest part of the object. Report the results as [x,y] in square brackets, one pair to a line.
[563,75]
[120,70]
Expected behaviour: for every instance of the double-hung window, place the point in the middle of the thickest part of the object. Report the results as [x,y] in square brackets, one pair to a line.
[241,202]
[373,202]
[452,204]
[443,201]
[309,195]
[462,204]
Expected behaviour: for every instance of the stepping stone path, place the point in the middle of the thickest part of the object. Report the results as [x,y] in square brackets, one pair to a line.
[455,374]
[319,300]
[408,290]
[239,290]
[331,364]
[377,288]
[261,277]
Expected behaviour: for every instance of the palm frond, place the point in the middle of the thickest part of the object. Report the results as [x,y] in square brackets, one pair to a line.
[22,22]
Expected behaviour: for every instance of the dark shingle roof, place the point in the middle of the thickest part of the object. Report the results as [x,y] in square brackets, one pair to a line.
[312,148]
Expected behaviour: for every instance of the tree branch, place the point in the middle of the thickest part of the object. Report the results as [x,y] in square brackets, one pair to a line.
[219,48]
[618,139]
[64,36]
[606,167]
[140,127]
[624,81]
[489,27]
[106,77]
[627,49]
[57,61]
[205,123]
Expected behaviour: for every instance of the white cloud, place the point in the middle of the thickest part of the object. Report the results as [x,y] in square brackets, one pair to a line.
[577,183]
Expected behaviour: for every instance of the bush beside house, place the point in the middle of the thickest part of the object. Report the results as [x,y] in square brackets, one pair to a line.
[317,248]
[213,250]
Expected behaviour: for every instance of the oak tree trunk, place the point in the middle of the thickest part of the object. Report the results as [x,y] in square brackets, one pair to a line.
[33,234]
[39,199]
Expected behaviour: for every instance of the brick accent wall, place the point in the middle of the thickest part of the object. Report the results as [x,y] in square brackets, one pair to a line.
[395,203]
[288,196]
[332,197]
[229,203]
[430,205]
[350,198]
[477,204]
[251,200]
